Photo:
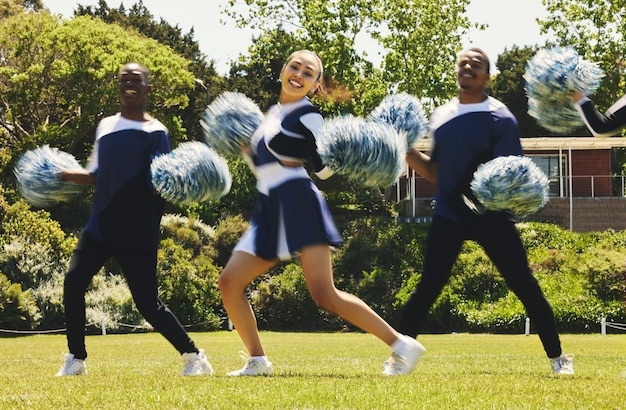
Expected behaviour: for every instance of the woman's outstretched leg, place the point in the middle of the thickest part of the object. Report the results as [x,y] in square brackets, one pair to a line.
[240,271]
[317,269]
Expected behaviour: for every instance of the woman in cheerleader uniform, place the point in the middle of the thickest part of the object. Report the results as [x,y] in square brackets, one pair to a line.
[291,219]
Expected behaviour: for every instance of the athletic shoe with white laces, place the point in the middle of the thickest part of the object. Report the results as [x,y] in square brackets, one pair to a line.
[196,364]
[253,367]
[72,366]
[564,364]
[404,362]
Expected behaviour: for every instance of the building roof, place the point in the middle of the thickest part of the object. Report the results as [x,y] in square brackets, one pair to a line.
[556,143]
[575,143]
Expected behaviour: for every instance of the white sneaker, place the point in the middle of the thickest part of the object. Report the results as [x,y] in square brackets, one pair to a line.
[564,364]
[196,364]
[404,362]
[72,367]
[253,367]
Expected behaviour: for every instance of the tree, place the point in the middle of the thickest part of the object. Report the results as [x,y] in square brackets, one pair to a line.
[257,74]
[421,39]
[10,8]
[596,29]
[138,17]
[57,80]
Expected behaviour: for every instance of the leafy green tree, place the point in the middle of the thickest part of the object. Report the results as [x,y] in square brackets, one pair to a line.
[12,7]
[597,30]
[257,74]
[420,40]
[57,80]
[139,18]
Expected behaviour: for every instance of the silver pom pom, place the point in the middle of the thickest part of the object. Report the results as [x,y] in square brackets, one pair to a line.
[192,172]
[229,122]
[404,112]
[38,180]
[369,152]
[551,75]
[511,183]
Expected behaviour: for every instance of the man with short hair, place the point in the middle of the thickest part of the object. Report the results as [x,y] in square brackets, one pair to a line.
[124,223]
[471,129]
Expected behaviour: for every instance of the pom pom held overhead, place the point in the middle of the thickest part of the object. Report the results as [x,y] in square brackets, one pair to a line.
[192,172]
[229,122]
[551,75]
[38,180]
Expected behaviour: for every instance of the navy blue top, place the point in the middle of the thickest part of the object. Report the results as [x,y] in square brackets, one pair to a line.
[126,212]
[464,136]
[290,212]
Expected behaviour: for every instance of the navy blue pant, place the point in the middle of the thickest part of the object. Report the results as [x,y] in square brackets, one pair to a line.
[502,244]
[139,268]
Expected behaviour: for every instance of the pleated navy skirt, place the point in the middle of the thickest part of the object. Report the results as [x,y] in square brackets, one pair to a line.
[293,215]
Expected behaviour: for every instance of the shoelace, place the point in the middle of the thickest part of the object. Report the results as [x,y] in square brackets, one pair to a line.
[565,361]
[190,364]
[393,361]
[249,363]
[68,362]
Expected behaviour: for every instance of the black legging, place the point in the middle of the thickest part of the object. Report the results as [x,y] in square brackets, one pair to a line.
[139,268]
[502,244]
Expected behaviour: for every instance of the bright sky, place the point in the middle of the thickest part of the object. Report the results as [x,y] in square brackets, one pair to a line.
[511,22]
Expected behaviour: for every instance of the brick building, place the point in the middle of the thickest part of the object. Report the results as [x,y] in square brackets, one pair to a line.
[580,165]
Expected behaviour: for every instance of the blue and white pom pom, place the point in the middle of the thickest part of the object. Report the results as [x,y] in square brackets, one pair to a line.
[405,113]
[229,122]
[511,183]
[551,75]
[192,172]
[372,153]
[37,173]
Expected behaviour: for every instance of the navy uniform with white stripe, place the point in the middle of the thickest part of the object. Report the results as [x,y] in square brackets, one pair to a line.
[290,212]
[124,223]
[469,130]
[291,218]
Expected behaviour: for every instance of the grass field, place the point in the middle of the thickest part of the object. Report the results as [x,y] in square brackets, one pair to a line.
[316,371]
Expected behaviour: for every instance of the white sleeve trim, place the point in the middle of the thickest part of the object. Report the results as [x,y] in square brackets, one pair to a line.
[324,173]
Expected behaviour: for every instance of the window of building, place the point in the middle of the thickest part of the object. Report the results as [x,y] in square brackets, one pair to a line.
[555,168]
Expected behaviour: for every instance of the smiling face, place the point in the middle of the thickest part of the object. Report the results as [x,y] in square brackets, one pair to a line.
[472,75]
[300,76]
[133,87]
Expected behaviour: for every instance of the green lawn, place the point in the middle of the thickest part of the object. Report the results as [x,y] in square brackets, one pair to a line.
[316,371]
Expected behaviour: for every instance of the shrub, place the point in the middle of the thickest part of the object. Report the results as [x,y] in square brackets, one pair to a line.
[189,286]
[474,276]
[30,263]
[36,227]
[227,233]
[505,314]
[283,302]
[604,270]
[48,296]
[110,303]
[17,308]
[189,232]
